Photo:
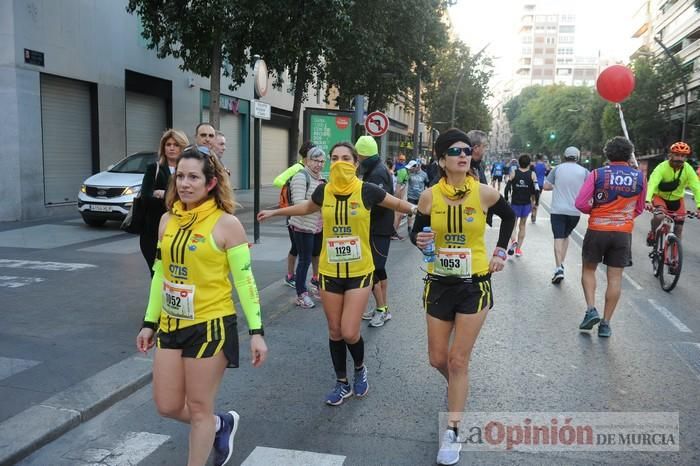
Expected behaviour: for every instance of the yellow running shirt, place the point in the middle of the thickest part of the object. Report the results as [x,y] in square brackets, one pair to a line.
[460,250]
[196,285]
[346,252]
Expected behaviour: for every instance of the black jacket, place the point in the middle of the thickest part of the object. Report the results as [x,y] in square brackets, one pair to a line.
[155,208]
[381,219]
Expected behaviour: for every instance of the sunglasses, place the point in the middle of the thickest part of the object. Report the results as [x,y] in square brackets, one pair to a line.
[457,151]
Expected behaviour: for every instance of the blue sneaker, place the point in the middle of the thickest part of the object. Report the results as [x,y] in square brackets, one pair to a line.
[223,442]
[604,329]
[339,393]
[590,319]
[360,384]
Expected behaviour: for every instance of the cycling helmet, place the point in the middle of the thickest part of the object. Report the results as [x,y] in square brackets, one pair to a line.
[680,147]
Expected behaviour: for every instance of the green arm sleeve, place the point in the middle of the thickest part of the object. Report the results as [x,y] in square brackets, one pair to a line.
[155,298]
[243,280]
[287,174]
[653,184]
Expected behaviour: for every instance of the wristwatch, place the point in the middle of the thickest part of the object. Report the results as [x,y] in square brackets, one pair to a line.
[500,252]
[414,211]
[257,331]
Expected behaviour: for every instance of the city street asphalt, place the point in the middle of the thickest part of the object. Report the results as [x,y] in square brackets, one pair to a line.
[68,356]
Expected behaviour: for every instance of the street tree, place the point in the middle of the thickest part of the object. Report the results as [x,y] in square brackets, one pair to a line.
[204,35]
[390,42]
[459,73]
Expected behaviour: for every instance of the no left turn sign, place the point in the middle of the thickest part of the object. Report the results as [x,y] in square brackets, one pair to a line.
[377,123]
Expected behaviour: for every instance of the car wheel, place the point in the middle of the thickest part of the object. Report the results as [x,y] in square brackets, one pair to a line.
[94,222]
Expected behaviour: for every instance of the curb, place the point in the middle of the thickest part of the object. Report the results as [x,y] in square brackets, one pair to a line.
[28,431]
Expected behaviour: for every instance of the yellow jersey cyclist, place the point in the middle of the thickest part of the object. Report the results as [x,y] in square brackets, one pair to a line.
[667,185]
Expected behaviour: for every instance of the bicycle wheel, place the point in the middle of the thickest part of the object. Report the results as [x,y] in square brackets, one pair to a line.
[656,259]
[671,263]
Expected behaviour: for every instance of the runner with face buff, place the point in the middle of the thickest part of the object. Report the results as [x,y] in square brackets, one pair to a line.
[346,266]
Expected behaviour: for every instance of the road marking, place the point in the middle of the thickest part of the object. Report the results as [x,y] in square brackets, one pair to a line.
[8,281]
[279,457]
[690,353]
[39,265]
[12,366]
[631,282]
[671,318]
[134,448]
[540,375]
[577,234]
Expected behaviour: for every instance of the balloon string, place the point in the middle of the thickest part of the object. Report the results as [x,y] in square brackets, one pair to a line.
[633,159]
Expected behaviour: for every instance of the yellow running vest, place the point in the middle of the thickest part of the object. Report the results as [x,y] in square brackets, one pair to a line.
[196,285]
[346,250]
[459,228]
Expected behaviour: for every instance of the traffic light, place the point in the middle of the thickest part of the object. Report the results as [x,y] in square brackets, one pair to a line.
[552,135]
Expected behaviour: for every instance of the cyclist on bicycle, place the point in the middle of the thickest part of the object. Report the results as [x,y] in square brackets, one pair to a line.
[666,188]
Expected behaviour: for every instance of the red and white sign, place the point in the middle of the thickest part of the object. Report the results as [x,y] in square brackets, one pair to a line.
[377,123]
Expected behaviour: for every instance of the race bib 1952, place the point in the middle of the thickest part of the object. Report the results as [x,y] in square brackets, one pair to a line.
[346,249]
[178,300]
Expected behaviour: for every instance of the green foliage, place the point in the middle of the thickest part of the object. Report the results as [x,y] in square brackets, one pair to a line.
[458,70]
[390,42]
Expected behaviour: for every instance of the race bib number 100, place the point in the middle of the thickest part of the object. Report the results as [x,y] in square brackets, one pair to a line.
[346,249]
[454,262]
[178,300]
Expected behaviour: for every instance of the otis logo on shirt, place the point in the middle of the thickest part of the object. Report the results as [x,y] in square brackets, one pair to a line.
[451,238]
[178,271]
[340,230]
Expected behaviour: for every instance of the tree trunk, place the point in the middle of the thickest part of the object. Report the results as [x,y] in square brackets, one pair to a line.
[299,89]
[215,85]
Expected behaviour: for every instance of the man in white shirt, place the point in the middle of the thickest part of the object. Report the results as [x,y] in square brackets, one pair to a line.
[565,182]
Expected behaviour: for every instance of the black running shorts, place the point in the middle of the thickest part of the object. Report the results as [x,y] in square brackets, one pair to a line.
[612,248]
[341,285]
[443,299]
[205,340]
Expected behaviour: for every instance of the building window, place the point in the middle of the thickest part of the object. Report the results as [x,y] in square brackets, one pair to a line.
[566,39]
[565,51]
[527,51]
[551,40]
[568,29]
[538,62]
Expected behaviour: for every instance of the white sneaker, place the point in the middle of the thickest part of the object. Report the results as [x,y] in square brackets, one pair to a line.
[449,448]
[379,318]
[304,301]
[368,314]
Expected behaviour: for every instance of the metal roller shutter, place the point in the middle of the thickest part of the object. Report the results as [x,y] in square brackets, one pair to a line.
[145,122]
[274,153]
[230,125]
[66,132]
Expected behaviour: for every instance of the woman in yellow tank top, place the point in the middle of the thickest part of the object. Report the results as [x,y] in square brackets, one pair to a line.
[200,242]
[346,264]
[457,294]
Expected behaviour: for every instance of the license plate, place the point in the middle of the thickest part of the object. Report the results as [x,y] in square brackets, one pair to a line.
[100,208]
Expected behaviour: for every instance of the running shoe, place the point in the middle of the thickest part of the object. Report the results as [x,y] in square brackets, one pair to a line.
[289,281]
[590,319]
[650,239]
[339,393]
[223,441]
[533,219]
[315,288]
[359,384]
[449,448]
[518,252]
[304,301]
[397,237]
[558,275]
[379,318]
[604,329]
[512,247]
[368,314]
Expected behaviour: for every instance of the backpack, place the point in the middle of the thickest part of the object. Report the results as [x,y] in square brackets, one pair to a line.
[286,193]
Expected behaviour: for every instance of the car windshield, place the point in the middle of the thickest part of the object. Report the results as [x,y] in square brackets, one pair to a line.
[136,163]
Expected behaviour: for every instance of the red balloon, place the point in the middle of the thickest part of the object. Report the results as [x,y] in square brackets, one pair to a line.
[615,83]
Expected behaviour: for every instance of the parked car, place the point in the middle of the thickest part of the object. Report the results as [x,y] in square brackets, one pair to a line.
[108,195]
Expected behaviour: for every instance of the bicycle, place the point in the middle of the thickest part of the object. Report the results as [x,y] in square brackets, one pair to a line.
[667,253]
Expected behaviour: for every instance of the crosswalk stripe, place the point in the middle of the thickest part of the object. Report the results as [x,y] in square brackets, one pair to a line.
[134,447]
[39,265]
[7,281]
[12,366]
[279,457]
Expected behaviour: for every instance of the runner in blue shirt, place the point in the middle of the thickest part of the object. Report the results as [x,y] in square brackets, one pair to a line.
[541,169]
[497,174]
